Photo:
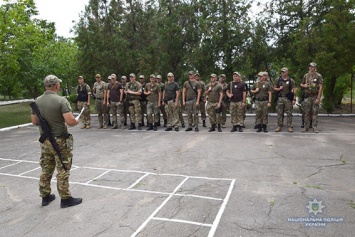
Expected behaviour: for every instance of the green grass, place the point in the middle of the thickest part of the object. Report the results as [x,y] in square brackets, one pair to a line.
[16,114]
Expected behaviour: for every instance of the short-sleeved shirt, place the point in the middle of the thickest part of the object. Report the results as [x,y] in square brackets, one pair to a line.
[237,90]
[264,89]
[52,108]
[287,84]
[203,85]
[100,88]
[115,93]
[154,89]
[313,80]
[170,90]
[191,92]
[214,94]
[134,86]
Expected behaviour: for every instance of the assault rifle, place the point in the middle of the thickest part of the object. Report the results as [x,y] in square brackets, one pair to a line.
[47,132]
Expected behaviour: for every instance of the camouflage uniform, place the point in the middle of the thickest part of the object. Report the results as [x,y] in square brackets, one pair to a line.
[261,101]
[212,104]
[202,106]
[190,100]
[172,112]
[134,102]
[84,92]
[309,106]
[114,93]
[236,104]
[52,107]
[99,89]
[161,108]
[225,102]
[152,106]
[124,108]
[284,105]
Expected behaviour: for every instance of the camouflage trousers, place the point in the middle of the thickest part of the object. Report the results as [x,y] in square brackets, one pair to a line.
[237,113]
[224,112]
[162,110]
[181,117]
[135,112]
[143,109]
[202,108]
[284,105]
[261,112]
[123,113]
[172,114]
[152,109]
[114,109]
[100,109]
[49,161]
[85,117]
[215,118]
[192,113]
[311,110]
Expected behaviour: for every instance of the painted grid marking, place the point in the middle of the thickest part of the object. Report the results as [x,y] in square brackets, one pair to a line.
[153,216]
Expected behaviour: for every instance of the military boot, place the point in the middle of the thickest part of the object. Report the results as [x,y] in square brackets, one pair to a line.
[139,126]
[310,124]
[155,127]
[150,126]
[165,122]
[315,129]
[213,128]
[264,126]
[234,128]
[302,126]
[256,126]
[204,123]
[259,128]
[70,202]
[133,126]
[46,200]
[219,128]
[240,128]
[304,129]
[278,129]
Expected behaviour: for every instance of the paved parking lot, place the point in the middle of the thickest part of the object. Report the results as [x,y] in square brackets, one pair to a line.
[145,183]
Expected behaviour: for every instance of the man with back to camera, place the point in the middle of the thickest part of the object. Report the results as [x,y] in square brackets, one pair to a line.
[57,112]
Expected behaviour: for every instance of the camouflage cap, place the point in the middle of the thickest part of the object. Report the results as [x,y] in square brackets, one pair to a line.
[132,75]
[236,73]
[113,76]
[158,76]
[260,74]
[152,75]
[213,75]
[197,74]
[97,76]
[80,77]
[109,77]
[265,74]
[141,76]
[222,75]
[170,74]
[51,80]
[284,69]
[124,77]
[313,64]
[191,73]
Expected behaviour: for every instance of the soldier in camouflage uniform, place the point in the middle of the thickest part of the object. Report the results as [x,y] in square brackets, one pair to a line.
[84,94]
[202,107]
[161,108]
[214,92]
[191,95]
[143,99]
[225,101]
[107,116]
[114,96]
[133,92]
[285,103]
[171,96]
[312,82]
[153,92]
[263,95]
[99,91]
[57,112]
[124,104]
[237,94]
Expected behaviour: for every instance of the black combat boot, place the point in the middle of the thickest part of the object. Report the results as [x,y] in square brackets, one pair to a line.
[165,122]
[155,127]
[133,126]
[264,128]
[150,126]
[234,128]
[256,126]
[70,202]
[46,200]
[204,123]
[302,126]
[213,128]
[158,123]
[310,124]
[259,128]
[240,128]
[139,126]
[182,125]
[219,128]
[168,129]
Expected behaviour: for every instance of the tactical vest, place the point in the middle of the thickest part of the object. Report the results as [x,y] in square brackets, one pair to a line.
[82,94]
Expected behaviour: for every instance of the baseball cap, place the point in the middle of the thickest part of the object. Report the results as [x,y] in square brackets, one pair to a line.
[109,77]
[132,75]
[236,73]
[260,74]
[265,74]
[80,77]
[124,77]
[97,76]
[191,73]
[284,69]
[152,75]
[313,64]
[170,74]
[141,76]
[213,75]
[158,76]
[222,75]
[197,74]
[51,80]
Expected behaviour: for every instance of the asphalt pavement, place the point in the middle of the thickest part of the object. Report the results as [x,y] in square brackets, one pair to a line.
[146,183]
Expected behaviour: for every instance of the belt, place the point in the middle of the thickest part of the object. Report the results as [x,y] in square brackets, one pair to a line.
[262,99]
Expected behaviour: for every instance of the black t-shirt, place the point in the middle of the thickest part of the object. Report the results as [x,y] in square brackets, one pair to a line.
[170,90]
[237,90]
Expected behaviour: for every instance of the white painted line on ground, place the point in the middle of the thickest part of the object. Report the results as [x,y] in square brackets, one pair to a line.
[10,165]
[182,221]
[29,171]
[198,196]
[14,127]
[221,210]
[140,228]
[138,180]
[97,177]
[28,161]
